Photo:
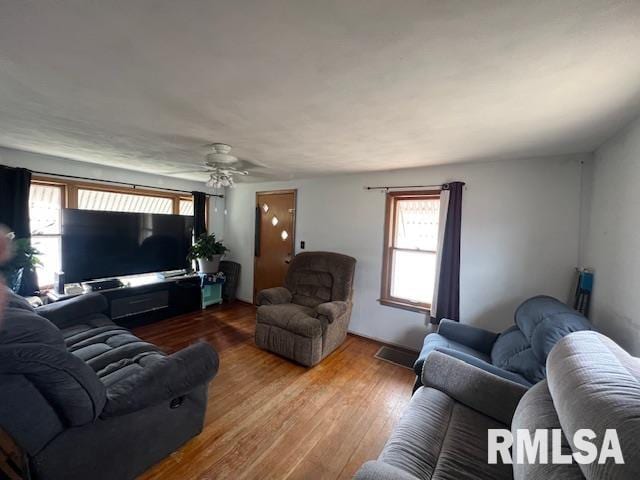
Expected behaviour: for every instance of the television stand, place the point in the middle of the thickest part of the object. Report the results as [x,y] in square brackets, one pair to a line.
[109,283]
[143,299]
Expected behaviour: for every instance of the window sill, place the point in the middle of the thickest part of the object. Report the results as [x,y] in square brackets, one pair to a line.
[412,307]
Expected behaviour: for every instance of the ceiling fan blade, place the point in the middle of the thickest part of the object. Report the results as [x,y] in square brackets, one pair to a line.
[192,170]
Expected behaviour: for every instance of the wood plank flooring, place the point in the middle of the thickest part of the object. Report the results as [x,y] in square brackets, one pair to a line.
[268,418]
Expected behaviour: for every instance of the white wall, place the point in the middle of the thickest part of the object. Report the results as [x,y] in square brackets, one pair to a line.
[519,236]
[613,241]
[65,166]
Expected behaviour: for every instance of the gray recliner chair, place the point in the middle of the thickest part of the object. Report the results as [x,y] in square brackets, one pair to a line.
[517,354]
[86,399]
[307,319]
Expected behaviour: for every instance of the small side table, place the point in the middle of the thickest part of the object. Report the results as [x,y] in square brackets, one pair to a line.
[211,285]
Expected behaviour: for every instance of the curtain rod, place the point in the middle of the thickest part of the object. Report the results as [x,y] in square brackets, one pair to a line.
[389,187]
[132,185]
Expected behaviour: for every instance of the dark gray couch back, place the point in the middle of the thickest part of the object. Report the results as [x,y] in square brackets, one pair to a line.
[541,322]
[44,388]
[318,277]
[592,384]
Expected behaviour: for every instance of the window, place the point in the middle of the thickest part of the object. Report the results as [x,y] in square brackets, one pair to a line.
[411,239]
[123,202]
[186,207]
[45,215]
[48,196]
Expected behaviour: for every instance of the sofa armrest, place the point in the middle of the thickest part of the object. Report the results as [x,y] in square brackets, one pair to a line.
[487,367]
[494,396]
[66,312]
[474,337]
[377,470]
[273,296]
[169,378]
[332,310]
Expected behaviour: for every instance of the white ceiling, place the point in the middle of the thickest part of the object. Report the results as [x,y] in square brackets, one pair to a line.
[308,87]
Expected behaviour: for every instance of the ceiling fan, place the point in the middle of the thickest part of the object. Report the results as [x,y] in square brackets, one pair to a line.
[220,164]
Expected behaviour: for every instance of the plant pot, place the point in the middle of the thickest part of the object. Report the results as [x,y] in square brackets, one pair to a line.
[209,266]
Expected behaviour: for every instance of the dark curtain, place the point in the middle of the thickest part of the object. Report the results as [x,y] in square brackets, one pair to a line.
[14,213]
[448,302]
[199,213]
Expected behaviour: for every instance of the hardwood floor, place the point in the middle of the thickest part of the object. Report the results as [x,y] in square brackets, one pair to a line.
[268,418]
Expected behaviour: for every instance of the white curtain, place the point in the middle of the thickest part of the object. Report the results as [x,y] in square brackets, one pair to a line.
[442,221]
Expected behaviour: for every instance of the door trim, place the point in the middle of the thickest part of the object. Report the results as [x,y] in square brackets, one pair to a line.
[293,191]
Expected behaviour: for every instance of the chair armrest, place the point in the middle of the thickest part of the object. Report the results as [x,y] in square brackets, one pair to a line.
[474,337]
[377,470]
[67,312]
[332,310]
[494,396]
[169,378]
[273,296]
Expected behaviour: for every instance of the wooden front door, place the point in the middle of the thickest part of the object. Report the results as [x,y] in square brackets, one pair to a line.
[274,238]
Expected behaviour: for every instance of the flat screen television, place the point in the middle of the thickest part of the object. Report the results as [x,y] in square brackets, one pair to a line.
[98,244]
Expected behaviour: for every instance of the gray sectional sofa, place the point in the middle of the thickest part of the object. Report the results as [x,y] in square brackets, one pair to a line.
[591,384]
[102,403]
[517,354]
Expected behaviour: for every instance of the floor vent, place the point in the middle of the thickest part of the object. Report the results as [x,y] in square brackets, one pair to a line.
[398,357]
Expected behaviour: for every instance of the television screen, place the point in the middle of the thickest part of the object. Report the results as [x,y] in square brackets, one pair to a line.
[99,244]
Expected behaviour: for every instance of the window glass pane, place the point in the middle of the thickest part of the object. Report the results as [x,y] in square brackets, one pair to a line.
[417,224]
[413,275]
[123,202]
[45,207]
[49,248]
[186,207]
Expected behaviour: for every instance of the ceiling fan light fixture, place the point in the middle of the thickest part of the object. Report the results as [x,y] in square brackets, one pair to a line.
[212,181]
[220,154]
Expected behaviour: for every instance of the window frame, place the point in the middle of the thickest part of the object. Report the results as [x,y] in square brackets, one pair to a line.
[392,199]
[63,204]
[71,187]
[69,196]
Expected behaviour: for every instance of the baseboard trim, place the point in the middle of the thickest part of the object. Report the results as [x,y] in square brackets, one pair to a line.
[243,301]
[384,342]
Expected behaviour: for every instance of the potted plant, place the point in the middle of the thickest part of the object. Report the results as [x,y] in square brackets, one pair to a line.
[208,252]
[23,258]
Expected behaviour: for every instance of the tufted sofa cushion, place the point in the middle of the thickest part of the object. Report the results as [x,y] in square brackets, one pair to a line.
[113,353]
[513,352]
[541,322]
[318,277]
[545,320]
[311,288]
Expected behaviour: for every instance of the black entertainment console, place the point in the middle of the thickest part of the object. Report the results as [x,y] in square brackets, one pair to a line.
[150,301]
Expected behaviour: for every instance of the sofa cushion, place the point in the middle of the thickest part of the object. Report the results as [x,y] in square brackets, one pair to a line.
[113,352]
[22,325]
[438,438]
[435,340]
[544,320]
[319,277]
[512,352]
[291,317]
[312,287]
